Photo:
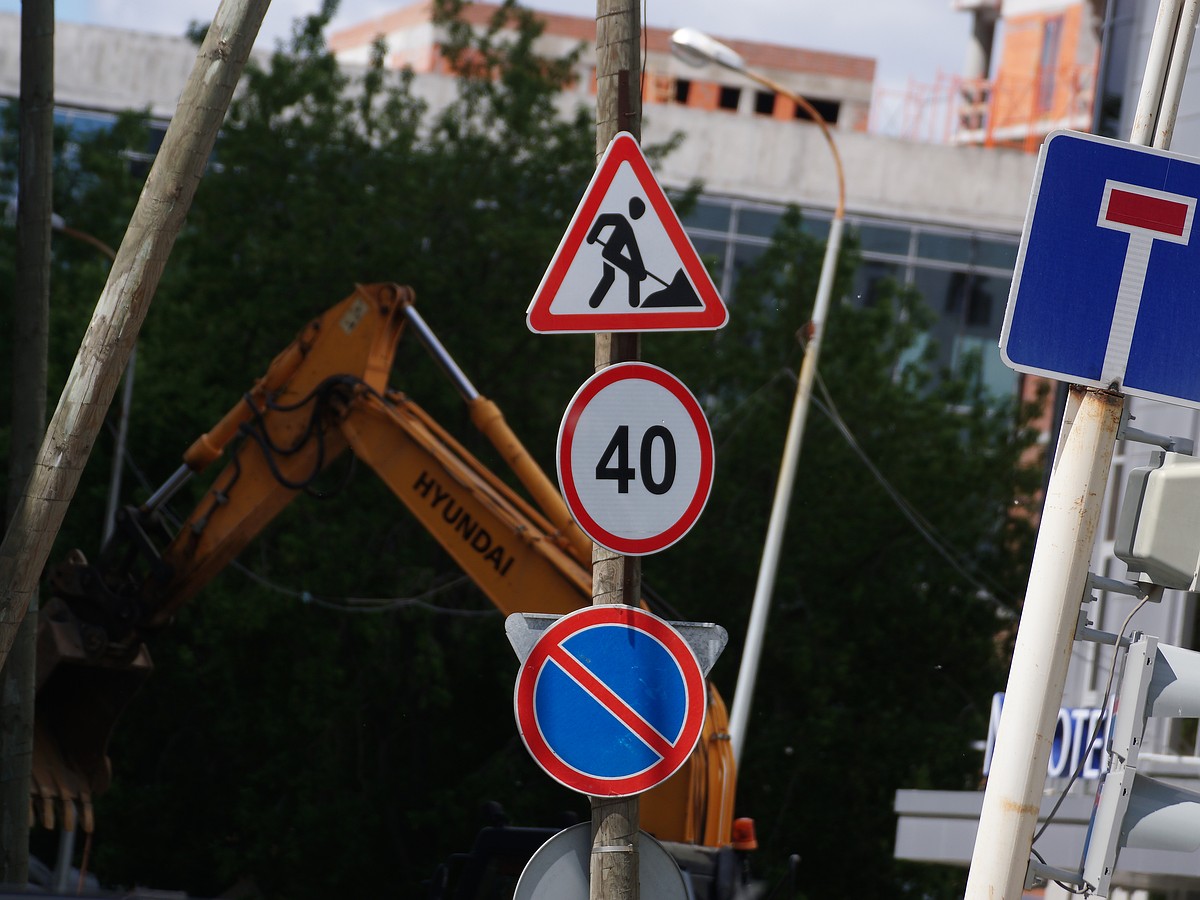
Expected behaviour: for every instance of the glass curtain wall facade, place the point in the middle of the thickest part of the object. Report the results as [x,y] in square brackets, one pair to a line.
[77,125]
[80,124]
[963,275]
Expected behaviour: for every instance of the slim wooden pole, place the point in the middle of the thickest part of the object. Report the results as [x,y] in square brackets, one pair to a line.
[122,307]
[29,361]
[616,578]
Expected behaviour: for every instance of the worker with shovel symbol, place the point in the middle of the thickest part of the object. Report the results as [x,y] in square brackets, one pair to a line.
[621,252]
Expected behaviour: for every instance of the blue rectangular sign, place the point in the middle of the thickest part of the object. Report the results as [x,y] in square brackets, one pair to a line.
[1106,290]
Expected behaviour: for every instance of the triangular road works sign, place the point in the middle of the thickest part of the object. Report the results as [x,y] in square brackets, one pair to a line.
[625,263]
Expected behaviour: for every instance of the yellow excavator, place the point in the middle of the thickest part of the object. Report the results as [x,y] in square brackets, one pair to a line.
[326,393]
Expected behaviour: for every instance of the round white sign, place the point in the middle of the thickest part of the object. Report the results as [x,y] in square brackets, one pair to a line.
[635,458]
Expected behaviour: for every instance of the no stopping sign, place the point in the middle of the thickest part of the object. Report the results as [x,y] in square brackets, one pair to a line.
[635,458]
[610,701]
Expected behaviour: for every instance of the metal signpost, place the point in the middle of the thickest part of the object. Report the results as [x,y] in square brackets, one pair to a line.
[1147,211]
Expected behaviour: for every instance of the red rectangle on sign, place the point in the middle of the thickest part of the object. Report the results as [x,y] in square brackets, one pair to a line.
[1152,213]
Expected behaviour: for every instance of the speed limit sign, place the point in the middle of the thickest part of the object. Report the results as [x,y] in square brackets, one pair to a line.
[635,458]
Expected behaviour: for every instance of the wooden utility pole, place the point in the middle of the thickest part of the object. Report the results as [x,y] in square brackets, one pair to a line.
[616,578]
[132,281]
[30,341]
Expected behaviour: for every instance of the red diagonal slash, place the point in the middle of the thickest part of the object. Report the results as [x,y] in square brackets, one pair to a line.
[604,695]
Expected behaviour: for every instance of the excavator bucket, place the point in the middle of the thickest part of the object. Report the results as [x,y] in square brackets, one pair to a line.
[79,698]
[91,657]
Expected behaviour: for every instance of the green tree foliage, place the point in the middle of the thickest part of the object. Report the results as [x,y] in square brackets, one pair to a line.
[299,750]
[306,750]
[95,182]
[881,652]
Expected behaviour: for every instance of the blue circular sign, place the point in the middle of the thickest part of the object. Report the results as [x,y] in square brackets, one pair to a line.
[610,701]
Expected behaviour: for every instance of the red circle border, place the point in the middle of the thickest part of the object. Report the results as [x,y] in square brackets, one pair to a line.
[605,378]
[531,669]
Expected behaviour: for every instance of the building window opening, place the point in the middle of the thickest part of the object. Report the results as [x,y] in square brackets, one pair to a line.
[875,281]
[828,110]
[683,87]
[1048,64]
[1117,40]
[956,296]
[729,98]
[764,103]
[979,308]
[659,89]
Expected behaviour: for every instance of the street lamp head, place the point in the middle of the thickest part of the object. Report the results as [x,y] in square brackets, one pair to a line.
[697,49]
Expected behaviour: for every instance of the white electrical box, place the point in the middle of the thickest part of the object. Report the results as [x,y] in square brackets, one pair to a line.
[1158,531]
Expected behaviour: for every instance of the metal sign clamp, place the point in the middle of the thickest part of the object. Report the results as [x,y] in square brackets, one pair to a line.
[1172,444]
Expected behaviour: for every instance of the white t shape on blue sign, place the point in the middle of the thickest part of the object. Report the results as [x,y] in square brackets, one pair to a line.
[1106,290]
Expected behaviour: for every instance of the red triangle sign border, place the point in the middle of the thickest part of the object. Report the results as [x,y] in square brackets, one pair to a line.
[624,149]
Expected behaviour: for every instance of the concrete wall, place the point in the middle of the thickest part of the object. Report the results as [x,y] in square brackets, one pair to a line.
[753,157]
[816,74]
[104,68]
[774,161]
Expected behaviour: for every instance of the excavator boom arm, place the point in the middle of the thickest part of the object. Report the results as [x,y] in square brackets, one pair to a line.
[326,393]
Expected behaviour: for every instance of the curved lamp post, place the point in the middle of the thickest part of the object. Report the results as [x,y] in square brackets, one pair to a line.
[59,224]
[114,485]
[698,49]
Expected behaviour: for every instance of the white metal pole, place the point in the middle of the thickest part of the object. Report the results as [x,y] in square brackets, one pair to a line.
[696,48]
[1039,668]
[118,462]
[1061,560]
[1162,42]
[739,712]
[1173,87]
